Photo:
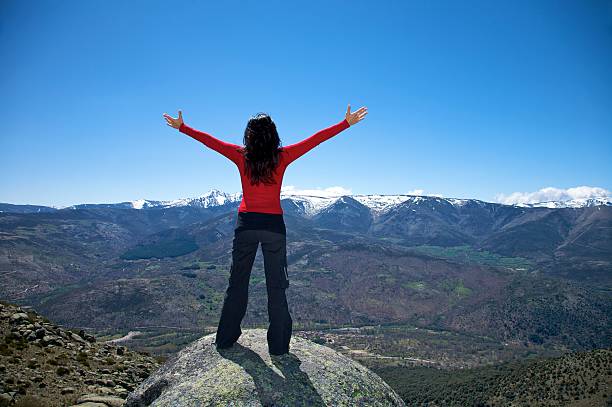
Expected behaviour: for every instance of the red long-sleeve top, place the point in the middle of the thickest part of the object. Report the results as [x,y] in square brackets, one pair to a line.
[264,198]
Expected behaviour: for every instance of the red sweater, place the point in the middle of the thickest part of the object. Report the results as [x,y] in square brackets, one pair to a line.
[264,198]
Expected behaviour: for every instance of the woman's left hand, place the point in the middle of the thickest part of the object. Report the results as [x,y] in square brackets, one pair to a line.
[355,117]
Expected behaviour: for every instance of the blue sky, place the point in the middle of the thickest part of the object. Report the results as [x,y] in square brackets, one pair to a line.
[468,99]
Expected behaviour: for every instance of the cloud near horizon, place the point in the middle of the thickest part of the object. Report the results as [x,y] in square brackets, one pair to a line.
[553,194]
[327,192]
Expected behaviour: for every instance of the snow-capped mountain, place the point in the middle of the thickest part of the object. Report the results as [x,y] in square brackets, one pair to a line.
[574,232]
[212,198]
[312,204]
[573,203]
[383,203]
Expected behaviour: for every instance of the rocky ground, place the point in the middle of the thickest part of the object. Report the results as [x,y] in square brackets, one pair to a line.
[44,364]
[247,375]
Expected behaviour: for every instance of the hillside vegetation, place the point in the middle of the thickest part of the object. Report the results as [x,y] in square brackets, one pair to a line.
[574,379]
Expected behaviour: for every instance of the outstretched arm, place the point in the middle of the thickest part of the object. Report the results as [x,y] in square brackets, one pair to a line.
[295,151]
[229,150]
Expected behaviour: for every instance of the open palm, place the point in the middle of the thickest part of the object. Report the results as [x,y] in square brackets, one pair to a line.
[172,122]
[353,118]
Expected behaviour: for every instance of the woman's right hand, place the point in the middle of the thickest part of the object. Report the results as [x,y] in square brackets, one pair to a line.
[353,118]
[172,122]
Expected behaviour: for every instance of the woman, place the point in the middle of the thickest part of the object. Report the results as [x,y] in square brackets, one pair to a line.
[261,163]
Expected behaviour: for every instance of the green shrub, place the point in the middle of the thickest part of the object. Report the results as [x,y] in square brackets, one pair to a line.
[168,243]
[4,350]
[62,370]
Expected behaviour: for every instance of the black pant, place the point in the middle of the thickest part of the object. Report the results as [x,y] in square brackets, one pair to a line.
[274,249]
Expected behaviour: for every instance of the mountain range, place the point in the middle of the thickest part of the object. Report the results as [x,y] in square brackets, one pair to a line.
[538,273]
[559,235]
[312,203]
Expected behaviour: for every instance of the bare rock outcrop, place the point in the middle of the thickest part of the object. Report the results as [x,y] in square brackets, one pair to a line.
[246,374]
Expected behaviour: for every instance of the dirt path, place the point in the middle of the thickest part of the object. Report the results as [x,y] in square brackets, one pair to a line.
[127,337]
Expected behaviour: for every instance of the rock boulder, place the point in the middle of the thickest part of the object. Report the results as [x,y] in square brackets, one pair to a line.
[246,374]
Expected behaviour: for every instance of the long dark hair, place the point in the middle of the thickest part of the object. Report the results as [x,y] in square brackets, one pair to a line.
[261,149]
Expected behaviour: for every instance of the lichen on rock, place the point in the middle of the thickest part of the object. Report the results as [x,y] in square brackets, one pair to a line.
[247,375]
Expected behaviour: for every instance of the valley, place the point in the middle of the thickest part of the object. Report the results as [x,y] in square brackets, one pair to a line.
[412,287]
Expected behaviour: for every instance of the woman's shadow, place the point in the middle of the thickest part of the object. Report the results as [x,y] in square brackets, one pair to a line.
[294,389]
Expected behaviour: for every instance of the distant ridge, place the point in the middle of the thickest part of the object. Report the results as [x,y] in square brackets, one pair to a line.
[312,204]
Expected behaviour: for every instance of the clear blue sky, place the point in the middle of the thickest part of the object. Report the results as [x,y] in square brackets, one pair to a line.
[466,98]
